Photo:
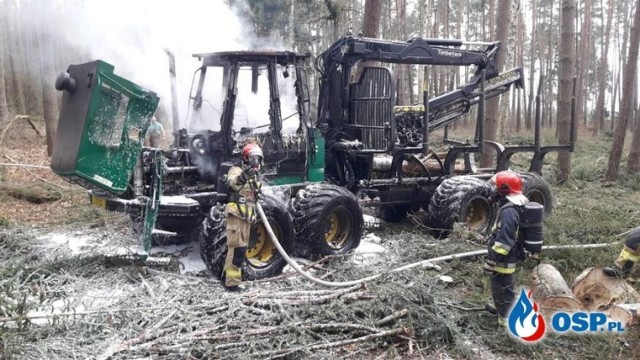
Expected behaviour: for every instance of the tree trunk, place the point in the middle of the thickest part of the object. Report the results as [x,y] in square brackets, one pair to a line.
[338,15]
[528,120]
[426,70]
[551,45]
[566,66]
[4,111]
[371,21]
[443,14]
[626,19]
[459,22]
[602,73]
[492,17]
[493,105]
[31,59]
[519,59]
[633,161]
[402,71]
[583,62]
[47,76]
[421,21]
[614,97]
[16,61]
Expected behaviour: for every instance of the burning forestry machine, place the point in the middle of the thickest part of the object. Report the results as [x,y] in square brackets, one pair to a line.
[382,150]
[361,144]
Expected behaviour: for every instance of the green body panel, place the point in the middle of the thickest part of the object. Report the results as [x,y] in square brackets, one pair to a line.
[286,180]
[315,164]
[113,127]
[316,159]
[151,208]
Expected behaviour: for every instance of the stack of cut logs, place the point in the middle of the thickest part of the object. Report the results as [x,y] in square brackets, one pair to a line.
[591,291]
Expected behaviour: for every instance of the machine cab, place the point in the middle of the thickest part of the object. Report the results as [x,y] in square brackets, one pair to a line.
[244,96]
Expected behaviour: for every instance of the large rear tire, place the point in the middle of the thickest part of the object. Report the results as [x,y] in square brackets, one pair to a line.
[262,258]
[537,189]
[328,220]
[463,199]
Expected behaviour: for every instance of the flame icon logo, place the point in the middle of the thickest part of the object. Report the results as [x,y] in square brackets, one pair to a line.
[524,320]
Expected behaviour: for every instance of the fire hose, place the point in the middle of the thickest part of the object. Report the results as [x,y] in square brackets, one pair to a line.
[423,263]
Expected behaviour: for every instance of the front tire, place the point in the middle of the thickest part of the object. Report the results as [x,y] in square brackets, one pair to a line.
[262,258]
[464,199]
[328,220]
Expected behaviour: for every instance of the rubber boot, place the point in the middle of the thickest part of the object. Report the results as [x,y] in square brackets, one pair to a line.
[233,279]
[503,290]
[491,308]
[619,271]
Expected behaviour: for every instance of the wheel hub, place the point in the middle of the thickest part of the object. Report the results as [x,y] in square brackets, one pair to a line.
[337,228]
[477,213]
[536,196]
[261,248]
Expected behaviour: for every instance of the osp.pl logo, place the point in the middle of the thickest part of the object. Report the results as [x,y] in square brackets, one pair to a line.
[524,320]
[528,325]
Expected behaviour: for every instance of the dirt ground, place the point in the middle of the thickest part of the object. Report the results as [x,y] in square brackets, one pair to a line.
[72,287]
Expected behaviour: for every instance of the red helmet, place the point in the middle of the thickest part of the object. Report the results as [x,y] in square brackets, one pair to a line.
[508,183]
[252,151]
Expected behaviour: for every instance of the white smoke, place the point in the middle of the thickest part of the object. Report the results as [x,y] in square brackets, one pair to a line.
[132,36]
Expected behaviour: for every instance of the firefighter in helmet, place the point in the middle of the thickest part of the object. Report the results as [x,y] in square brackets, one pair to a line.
[155,133]
[506,245]
[244,189]
[628,257]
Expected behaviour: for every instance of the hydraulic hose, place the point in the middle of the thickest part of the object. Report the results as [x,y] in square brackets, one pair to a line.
[427,262]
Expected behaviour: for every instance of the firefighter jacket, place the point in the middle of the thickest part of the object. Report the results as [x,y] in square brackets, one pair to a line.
[631,250]
[506,248]
[242,195]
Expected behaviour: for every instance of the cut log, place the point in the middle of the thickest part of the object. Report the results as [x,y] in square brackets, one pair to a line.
[559,303]
[624,313]
[595,290]
[550,291]
[547,281]
[413,168]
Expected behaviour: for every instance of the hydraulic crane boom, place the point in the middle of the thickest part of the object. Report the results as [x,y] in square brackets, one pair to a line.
[336,66]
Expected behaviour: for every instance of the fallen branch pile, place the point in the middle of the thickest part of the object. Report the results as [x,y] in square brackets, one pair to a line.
[94,306]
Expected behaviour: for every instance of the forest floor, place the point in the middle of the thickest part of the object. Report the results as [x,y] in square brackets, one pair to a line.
[69,290]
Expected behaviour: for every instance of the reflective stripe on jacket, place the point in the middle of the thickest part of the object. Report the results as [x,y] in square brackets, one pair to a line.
[505,249]
[244,208]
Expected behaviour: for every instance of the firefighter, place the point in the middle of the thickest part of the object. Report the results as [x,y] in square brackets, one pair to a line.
[155,133]
[628,257]
[244,189]
[506,246]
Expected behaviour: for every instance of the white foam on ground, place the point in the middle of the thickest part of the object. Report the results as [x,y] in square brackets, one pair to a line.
[92,300]
[192,262]
[76,243]
[368,219]
[369,250]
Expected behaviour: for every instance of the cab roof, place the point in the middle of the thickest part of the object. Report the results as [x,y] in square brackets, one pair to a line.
[226,57]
